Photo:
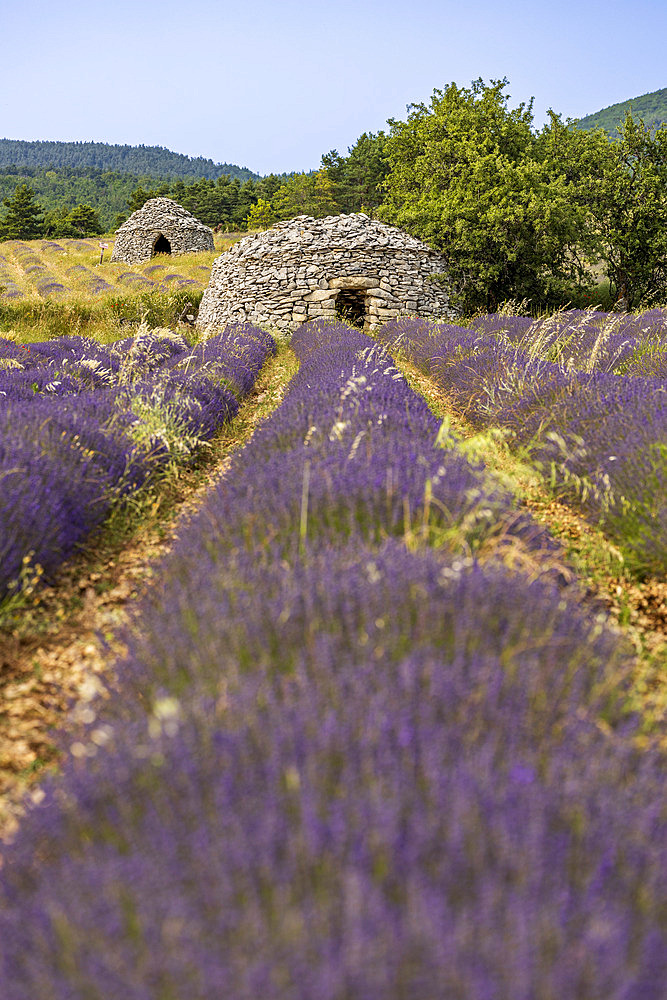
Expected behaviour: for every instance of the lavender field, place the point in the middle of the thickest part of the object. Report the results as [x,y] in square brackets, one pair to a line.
[51,289]
[70,268]
[583,394]
[84,425]
[368,740]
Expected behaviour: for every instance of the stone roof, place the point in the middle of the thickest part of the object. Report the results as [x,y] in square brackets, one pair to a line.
[158,213]
[305,268]
[335,232]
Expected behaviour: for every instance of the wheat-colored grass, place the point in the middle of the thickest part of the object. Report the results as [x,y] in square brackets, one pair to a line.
[154,288]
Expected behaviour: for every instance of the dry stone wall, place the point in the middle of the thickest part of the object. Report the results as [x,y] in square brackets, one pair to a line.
[313,268]
[160,219]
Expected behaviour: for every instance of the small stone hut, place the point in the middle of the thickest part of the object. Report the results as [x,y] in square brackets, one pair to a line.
[345,265]
[161,226]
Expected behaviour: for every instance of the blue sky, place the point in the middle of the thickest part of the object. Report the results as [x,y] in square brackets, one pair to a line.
[272,86]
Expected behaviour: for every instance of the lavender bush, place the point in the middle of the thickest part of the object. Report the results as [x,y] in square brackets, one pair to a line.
[78,246]
[35,270]
[83,424]
[50,246]
[91,282]
[130,279]
[49,286]
[600,436]
[8,287]
[372,768]
[59,473]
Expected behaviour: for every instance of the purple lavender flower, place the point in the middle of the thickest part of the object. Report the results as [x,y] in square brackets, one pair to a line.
[345,762]
[70,440]
[597,434]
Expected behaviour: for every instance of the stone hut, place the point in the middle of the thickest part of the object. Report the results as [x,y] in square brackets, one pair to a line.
[161,226]
[345,265]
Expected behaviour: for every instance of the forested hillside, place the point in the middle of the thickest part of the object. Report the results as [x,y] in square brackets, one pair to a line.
[106,191]
[651,108]
[152,161]
[224,201]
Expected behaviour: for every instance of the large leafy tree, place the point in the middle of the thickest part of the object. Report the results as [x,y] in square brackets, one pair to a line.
[621,188]
[24,219]
[467,176]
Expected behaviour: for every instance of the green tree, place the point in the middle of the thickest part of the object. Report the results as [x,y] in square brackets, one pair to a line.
[85,221]
[358,178]
[467,176]
[305,194]
[140,196]
[24,219]
[261,215]
[620,186]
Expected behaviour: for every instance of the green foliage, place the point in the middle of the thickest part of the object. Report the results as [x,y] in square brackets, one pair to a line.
[620,189]
[140,196]
[152,161]
[305,194]
[24,218]
[466,176]
[79,222]
[223,204]
[358,178]
[261,215]
[59,191]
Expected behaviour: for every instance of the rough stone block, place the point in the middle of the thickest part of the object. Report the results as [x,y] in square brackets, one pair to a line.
[353,281]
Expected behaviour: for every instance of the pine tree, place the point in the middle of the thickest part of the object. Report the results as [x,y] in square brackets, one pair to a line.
[85,221]
[25,218]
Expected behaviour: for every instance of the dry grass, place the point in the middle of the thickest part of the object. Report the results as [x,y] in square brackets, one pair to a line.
[52,288]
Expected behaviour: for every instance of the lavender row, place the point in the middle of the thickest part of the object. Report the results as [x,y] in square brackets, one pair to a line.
[600,436]
[83,276]
[8,287]
[586,340]
[84,424]
[346,763]
[48,284]
[36,272]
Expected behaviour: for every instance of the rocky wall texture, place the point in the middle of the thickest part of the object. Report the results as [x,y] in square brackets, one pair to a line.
[160,219]
[315,268]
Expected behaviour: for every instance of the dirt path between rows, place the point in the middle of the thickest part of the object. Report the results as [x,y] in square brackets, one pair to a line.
[52,662]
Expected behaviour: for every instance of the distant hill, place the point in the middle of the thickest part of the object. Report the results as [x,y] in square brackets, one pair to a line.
[652,108]
[146,161]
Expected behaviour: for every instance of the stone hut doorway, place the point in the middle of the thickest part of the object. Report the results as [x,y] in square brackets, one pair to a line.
[161,245]
[351,306]
[351,298]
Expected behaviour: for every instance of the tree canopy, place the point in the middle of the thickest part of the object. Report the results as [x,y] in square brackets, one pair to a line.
[620,189]
[153,161]
[466,175]
[358,178]
[79,221]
